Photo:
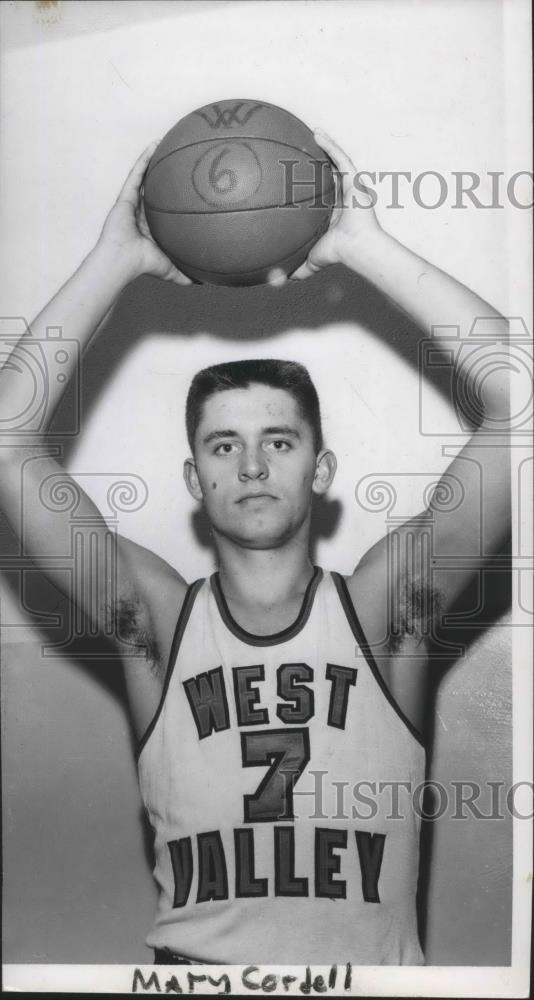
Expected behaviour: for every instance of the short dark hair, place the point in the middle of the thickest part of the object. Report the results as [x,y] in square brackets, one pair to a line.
[288,375]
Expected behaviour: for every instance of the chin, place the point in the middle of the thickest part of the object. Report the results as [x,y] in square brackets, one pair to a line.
[263,540]
[268,531]
[268,537]
[262,544]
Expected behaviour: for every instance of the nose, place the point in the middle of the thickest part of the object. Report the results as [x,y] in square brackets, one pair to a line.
[253,464]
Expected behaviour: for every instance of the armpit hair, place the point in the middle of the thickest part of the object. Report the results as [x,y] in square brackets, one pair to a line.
[130,625]
[415,613]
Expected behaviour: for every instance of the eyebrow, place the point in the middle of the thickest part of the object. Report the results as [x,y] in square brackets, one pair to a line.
[282,429]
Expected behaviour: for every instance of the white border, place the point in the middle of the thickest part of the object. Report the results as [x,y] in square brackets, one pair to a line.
[369,980]
[517,25]
[446,981]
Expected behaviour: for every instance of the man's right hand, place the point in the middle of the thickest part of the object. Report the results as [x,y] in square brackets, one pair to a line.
[126,231]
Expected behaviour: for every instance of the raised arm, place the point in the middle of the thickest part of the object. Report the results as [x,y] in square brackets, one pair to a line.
[468,517]
[111,580]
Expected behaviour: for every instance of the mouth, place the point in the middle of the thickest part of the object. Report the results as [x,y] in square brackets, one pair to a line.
[251,497]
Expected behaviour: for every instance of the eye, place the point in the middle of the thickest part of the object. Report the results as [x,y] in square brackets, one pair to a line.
[226,448]
[278,444]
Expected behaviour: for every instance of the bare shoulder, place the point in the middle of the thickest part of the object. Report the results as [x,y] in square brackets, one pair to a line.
[367,591]
[148,568]
[150,601]
[147,613]
[392,587]
[396,610]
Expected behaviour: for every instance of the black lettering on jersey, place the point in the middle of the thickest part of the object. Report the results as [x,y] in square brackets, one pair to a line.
[288,752]
[246,696]
[302,709]
[342,678]
[182,869]
[370,852]
[327,863]
[212,874]
[206,694]
[286,883]
[246,884]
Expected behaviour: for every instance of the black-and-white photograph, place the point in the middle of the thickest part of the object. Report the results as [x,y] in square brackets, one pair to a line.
[265,496]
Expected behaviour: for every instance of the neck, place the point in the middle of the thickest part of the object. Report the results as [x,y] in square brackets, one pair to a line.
[264,577]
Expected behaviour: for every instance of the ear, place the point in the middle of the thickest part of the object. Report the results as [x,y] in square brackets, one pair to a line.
[191,479]
[325,470]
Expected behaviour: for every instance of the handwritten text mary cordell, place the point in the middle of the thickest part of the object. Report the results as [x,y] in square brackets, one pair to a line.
[250,980]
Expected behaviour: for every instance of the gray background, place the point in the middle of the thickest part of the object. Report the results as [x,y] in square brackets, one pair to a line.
[91,89]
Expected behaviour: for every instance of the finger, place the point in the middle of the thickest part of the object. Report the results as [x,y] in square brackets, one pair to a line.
[171,273]
[276,277]
[338,198]
[342,161]
[304,271]
[132,185]
[178,277]
[142,221]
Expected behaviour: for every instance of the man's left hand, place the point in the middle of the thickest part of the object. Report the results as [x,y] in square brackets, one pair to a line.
[353,219]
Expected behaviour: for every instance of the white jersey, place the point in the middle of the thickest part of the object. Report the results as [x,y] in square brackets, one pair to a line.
[257,773]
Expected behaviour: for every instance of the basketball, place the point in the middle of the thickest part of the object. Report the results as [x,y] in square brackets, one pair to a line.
[235,189]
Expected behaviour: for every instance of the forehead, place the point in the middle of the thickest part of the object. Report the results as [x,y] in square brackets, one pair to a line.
[257,406]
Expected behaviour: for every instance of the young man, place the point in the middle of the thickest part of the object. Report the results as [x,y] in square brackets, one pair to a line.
[274,678]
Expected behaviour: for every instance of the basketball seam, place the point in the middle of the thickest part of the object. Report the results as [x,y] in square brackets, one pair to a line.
[233,211]
[256,270]
[233,138]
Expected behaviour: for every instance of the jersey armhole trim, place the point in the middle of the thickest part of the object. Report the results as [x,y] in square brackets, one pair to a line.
[181,624]
[359,635]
